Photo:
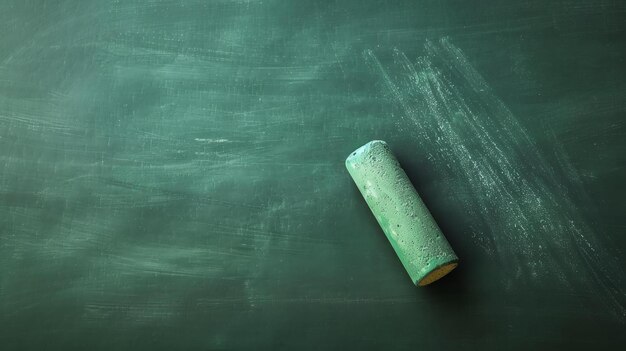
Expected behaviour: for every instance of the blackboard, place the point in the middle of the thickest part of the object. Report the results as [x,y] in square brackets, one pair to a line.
[172,177]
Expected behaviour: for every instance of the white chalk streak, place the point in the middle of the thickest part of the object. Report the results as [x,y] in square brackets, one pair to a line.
[523,212]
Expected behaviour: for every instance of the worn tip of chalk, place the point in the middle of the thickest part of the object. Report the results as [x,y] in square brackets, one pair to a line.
[412,231]
[354,158]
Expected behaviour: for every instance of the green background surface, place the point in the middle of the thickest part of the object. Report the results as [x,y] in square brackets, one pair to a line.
[172,177]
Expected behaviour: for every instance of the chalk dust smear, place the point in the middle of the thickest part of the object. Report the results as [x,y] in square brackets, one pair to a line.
[523,215]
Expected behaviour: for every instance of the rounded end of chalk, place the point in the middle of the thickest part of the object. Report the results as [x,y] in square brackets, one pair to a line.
[363,149]
[437,273]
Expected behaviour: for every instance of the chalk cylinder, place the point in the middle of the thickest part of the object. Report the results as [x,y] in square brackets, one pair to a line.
[405,220]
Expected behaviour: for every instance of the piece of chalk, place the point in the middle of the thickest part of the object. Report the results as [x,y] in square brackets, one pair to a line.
[407,223]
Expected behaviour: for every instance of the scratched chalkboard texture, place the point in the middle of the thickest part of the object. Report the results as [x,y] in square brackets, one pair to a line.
[172,173]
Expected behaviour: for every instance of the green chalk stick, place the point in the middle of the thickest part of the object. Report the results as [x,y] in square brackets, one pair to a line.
[407,223]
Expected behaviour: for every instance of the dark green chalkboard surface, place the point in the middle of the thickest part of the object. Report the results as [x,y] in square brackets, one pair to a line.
[172,173]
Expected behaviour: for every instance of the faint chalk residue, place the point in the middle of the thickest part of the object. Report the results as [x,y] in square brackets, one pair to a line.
[522,211]
[211,141]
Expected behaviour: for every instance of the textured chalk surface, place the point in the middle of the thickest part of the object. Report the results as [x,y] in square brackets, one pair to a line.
[407,223]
